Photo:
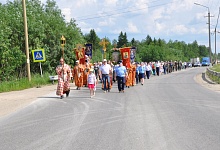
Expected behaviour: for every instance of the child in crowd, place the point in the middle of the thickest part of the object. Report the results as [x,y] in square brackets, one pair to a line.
[91,82]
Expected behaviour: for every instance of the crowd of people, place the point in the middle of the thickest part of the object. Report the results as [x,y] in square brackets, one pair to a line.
[107,72]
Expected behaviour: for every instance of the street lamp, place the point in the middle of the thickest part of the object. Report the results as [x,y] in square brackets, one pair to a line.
[209,31]
[63,42]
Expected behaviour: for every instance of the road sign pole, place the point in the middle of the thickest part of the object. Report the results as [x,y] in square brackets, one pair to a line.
[41,70]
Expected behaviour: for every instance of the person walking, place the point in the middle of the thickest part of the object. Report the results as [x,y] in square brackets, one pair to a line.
[91,82]
[105,69]
[157,68]
[63,71]
[96,69]
[142,72]
[121,74]
[148,70]
[137,73]
[77,73]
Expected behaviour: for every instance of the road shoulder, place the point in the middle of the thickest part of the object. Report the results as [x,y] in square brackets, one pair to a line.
[15,100]
[204,81]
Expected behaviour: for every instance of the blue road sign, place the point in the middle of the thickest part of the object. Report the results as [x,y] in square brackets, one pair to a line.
[38,55]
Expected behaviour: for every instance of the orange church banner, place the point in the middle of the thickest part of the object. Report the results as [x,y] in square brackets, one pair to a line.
[125,55]
[80,53]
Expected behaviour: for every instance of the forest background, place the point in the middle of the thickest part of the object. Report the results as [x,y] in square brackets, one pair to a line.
[46,25]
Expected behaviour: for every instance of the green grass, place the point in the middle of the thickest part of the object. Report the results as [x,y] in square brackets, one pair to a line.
[216,68]
[212,77]
[21,84]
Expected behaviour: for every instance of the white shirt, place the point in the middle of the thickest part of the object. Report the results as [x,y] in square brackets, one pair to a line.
[91,78]
[105,69]
[148,68]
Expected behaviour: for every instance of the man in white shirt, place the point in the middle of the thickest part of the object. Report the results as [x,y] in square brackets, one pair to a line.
[105,69]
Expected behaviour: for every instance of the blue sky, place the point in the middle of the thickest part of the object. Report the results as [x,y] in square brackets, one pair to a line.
[180,20]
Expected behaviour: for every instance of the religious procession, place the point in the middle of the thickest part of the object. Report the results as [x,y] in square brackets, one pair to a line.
[122,70]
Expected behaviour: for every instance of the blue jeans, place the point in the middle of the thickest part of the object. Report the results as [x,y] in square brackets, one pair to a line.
[105,77]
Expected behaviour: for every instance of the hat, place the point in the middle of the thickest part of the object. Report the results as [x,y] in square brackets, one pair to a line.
[77,61]
[104,60]
[119,61]
[91,69]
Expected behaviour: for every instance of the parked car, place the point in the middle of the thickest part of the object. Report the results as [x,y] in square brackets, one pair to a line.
[197,64]
[188,65]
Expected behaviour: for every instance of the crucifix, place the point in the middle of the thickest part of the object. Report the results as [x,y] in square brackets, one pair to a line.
[103,43]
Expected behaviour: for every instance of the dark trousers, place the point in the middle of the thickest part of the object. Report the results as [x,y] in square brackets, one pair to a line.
[153,71]
[165,70]
[148,74]
[158,71]
[121,83]
[137,78]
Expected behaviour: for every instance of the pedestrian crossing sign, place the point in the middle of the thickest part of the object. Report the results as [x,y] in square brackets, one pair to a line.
[38,55]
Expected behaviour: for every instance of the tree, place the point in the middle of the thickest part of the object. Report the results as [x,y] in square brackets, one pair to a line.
[122,40]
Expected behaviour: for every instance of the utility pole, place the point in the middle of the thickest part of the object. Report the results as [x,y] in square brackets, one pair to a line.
[210,50]
[215,37]
[26,40]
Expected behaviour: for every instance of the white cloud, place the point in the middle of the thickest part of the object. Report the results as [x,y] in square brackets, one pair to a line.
[159,27]
[107,22]
[179,29]
[67,13]
[158,13]
[132,28]
[83,3]
[110,2]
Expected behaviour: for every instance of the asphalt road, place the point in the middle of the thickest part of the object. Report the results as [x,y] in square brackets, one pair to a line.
[170,112]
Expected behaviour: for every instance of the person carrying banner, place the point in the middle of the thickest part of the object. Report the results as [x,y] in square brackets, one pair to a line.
[86,73]
[133,67]
[77,73]
[63,71]
[128,79]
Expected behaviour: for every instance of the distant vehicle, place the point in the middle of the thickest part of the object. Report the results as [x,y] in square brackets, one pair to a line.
[189,65]
[194,60]
[205,61]
[197,64]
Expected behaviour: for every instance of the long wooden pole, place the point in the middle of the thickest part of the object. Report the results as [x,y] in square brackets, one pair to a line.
[26,40]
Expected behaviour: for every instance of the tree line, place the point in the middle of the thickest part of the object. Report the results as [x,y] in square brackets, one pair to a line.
[46,25]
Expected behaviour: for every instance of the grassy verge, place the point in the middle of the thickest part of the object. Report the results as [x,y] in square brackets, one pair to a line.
[16,85]
[216,68]
[212,77]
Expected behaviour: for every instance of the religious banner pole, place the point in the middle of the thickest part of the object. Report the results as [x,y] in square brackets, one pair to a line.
[103,43]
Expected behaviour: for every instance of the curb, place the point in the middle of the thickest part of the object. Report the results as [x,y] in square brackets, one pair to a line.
[207,79]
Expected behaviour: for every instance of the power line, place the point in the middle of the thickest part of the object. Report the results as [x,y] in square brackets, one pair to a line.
[123,12]
[116,10]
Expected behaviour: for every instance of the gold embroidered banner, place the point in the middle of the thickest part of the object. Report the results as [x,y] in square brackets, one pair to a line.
[80,53]
[125,54]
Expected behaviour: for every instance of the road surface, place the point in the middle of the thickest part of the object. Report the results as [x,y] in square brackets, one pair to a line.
[169,112]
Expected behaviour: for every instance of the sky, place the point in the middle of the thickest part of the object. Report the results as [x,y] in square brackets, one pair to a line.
[180,20]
